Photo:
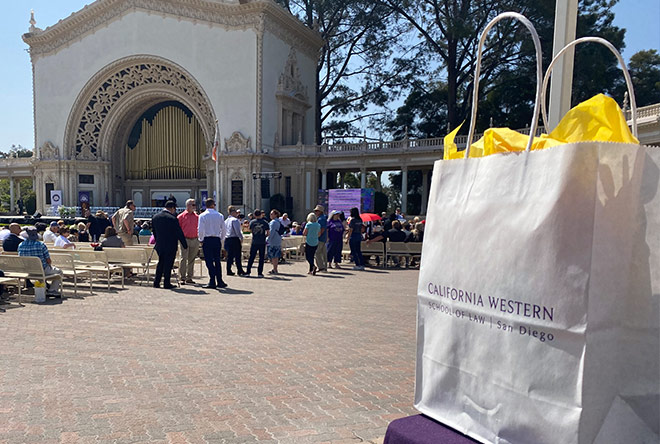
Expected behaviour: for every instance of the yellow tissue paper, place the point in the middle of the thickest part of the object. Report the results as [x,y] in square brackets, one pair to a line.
[597,119]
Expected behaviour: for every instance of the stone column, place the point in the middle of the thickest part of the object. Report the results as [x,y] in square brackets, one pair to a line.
[324,179]
[379,174]
[425,190]
[404,190]
[341,180]
[363,178]
[308,190]
[12,201]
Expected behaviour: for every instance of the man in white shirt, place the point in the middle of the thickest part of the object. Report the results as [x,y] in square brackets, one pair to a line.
[285,221]
[62,240]
[211,232]
[233,241]
[50,235]
[4,233]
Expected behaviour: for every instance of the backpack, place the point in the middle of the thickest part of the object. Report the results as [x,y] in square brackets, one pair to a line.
[282,229]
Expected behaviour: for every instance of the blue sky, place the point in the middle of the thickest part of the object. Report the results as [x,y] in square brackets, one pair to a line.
[641,18]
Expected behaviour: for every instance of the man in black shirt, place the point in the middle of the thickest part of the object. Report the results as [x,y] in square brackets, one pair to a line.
[396,235]
[13,240]
[260,229]
[168,234]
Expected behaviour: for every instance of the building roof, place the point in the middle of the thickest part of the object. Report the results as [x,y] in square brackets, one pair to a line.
[257,14]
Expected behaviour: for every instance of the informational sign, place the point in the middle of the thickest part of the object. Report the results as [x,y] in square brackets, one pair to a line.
[237,192]
[56,198]
[344,200]
[205,195]
[84,200]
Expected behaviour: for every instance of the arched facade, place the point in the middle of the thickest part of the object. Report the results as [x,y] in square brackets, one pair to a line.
[97,71]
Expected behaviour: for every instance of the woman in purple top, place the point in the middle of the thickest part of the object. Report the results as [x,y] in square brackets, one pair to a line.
[335,237]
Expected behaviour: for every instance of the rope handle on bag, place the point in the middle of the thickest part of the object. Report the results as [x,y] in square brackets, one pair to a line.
[626,74]
[477,71]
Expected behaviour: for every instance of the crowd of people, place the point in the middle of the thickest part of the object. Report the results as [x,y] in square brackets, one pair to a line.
[218,238]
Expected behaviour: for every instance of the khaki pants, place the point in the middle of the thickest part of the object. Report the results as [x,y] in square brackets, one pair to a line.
[188,255]
[322,256]
[126,238]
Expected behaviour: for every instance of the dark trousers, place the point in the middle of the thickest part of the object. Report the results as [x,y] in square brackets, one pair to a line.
[254,249]
[356,252]
[233,247]
[164,267]
[334,251]
[212,248]
[309,255]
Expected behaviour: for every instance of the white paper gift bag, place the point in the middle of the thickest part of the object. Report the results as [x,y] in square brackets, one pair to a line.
[538,296]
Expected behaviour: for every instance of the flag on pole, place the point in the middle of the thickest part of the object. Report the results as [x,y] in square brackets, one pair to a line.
[216,143]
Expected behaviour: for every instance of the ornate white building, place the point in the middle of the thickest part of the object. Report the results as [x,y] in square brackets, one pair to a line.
[127,93]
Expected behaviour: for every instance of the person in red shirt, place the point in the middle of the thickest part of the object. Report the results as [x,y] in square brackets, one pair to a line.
[189,220]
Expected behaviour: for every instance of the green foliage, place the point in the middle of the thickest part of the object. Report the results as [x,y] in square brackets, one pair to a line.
[351,180]
[360,64]
[644,69]
[16,151]
[26,194]
[508,79]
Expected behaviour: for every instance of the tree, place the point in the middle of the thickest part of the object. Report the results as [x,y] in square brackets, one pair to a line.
[360,63]
[414,189]
[451,30]
[644,69]
[27,194]
[423,114]
[16,151]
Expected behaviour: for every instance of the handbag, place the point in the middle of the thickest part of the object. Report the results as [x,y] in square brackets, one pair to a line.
[538,294]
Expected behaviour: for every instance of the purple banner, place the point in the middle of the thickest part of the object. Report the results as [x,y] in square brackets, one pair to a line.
[344,200]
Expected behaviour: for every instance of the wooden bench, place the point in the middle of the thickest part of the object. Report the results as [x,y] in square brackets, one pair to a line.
[66,263]
[97,263]
[374,249]
[130,258]
[27,267]
[405,249]
[15,282]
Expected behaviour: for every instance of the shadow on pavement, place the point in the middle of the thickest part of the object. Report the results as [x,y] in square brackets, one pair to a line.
[188,291]
[234,291]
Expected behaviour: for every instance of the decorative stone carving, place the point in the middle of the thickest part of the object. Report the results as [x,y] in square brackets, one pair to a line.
[237,143]
[49,152]
[290,83]
[114,87]
[245,15]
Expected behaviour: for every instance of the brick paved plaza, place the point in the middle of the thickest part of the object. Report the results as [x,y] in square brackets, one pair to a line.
[292,359]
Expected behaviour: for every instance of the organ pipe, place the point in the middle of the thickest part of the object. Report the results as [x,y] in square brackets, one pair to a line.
[171,147]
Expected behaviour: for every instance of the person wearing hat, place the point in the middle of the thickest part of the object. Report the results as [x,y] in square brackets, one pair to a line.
[33,247]
[168,234]
[321,250]
[296,229]
[51,234]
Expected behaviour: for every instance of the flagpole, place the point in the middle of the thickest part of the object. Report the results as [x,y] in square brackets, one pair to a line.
[216,150]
